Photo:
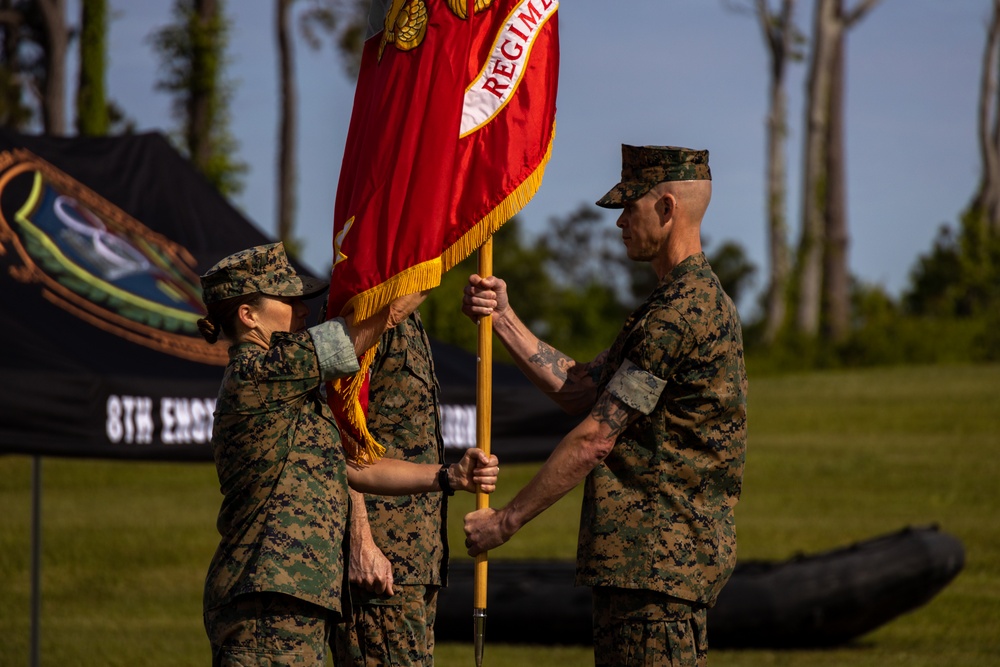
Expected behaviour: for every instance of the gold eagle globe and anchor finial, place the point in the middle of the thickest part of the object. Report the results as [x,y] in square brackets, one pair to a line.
[406,21]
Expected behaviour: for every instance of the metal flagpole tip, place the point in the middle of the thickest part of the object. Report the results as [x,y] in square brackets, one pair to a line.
[479,620]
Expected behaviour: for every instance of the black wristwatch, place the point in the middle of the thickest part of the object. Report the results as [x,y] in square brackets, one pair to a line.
[443,480]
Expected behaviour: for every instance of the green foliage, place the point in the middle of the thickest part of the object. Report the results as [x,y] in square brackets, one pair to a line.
[735,270]
[22,62]
[192,54]
[960,276]
[577,319]
[949,313]
[882,334]
[933,280]
[13,112]
[574,289]
[582,248]
[518,265]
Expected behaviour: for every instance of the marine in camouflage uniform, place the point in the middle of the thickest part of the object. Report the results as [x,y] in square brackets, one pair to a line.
[277,583]
[658,511]
[663,447]
[404,415]
[283,476]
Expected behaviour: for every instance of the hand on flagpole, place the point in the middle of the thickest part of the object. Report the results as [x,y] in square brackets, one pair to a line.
[485,296]
[476,472]
[483,531]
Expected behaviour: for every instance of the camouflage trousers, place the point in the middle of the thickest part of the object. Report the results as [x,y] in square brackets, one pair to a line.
[268,629]
[397,631]
[634,628]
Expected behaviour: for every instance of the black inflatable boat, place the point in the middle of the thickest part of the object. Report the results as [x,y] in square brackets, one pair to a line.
[817,600]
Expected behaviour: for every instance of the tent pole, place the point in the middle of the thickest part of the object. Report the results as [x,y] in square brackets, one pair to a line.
[36,551]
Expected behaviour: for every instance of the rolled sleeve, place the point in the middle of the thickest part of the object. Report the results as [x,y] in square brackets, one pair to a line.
[636,388]
[334,349]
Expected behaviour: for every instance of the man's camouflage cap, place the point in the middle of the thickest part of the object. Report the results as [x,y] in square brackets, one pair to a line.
[265,269]
[645,166]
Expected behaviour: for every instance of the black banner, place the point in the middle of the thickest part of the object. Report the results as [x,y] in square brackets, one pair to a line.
[102,241]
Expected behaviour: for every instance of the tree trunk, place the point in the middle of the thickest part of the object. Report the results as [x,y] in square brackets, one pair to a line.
[993,210]
[204,67]
[92,117]
[987,197]
[836,284]
[826,25]
[286,203]
[56,48]
[823,186]
[778,32]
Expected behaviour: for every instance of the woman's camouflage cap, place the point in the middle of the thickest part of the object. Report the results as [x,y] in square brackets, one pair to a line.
[265,269]
[645,166]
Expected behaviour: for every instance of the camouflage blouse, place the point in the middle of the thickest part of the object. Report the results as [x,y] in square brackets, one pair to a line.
[404,416]
[658,512]
[281,470]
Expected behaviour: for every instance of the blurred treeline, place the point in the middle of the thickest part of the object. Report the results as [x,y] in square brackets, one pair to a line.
[574,286]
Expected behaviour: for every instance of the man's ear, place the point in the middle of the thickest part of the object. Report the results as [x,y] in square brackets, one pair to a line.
[668,206]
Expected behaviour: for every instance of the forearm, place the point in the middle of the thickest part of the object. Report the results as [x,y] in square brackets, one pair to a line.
[368,567]
[360,528]
[569,464]
[563,379]
[392,477]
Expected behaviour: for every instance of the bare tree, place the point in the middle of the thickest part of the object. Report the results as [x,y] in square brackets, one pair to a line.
[781,37]
[286,200]
[986,201]
[205,62]
[823,179]
[836,298]
[343,19]
[38,72]
[56,37]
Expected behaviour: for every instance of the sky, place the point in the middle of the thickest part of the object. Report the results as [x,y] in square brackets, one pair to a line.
[657,72]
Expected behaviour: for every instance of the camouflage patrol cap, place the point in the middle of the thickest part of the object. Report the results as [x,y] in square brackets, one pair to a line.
[645,166]
[264,269]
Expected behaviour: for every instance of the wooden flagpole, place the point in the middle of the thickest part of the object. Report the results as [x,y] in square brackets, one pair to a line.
[484,425]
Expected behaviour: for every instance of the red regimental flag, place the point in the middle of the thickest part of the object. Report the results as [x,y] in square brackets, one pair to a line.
[453,121]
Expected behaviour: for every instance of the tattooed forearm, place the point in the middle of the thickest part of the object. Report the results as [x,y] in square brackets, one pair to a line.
[552,360]
[593,370]
[612,414]
[586,377]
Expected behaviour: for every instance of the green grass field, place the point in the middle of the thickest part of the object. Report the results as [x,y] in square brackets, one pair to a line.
[833,458]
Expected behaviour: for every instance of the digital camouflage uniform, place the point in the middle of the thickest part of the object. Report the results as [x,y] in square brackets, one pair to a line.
[275,585]
[657,534]
[404,415]
[658,511]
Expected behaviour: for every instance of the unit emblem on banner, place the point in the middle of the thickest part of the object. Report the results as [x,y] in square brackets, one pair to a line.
[406,21]
[94,261]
